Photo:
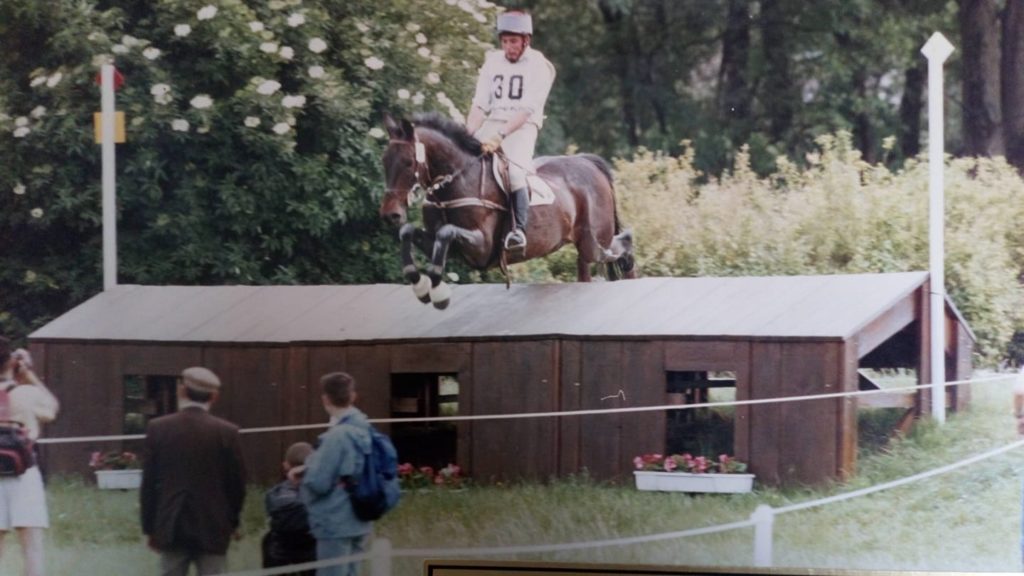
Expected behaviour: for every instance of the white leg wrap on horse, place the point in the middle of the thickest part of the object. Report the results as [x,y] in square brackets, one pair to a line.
[422,288]
[441,293]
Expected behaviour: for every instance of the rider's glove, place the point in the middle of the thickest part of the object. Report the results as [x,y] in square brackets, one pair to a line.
[491,145]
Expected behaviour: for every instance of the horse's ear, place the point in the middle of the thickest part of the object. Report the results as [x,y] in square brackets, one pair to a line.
[402,130]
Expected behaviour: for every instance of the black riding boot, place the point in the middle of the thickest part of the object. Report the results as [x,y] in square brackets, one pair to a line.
[516,239]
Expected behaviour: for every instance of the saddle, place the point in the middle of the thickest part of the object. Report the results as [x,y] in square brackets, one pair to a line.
[540,191]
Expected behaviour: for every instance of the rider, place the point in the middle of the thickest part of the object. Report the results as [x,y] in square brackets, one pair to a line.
[508,108]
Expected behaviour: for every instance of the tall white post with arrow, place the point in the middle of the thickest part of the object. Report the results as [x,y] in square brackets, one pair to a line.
[937,50]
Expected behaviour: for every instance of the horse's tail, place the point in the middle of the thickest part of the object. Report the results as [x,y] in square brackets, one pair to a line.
[625,265]
[606,169]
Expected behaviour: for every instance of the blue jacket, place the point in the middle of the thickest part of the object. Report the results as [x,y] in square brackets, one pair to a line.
[339,454]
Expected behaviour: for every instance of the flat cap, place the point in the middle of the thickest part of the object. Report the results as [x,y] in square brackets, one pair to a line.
[200,379]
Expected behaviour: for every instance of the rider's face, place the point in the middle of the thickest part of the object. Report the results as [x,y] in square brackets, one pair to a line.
[513,45]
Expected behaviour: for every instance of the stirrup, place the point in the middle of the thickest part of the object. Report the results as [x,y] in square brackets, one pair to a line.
[515,240]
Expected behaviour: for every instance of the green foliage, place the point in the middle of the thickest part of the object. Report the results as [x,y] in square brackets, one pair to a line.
[252,138]
[836,215]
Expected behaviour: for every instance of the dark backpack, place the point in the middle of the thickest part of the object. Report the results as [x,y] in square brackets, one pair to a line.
[375,490]
[16,454]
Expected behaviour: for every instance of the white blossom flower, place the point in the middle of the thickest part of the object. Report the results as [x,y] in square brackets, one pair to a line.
[374,63]
[376,132]
[269,47]
[456,115]
[256,26]
[151,53]
[252,121]
[21,132]
[38,112]
[101,59]
[182,30]
[96,36]
[433,78]
[281,128]
[201,101]
[161,93]
[435,60]
[268,87]
[421,38]
[37,81]
[179,124]
[295,20]
[484,3]
[54,79]
[30,276]
[19,189]
[362,27]
[417,99]
[293,101]
[36,212]
[21,121]
[119,49]
[203,129]
[290,120]
[206,12]
[450,2]
[317,45]
[467,7]
[423,51]
[316,71]
[277,5]
[286,52]
[403,93]
[480,18]
[130,41]
[412,27]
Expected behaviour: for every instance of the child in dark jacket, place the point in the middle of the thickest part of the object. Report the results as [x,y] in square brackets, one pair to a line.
[289,540]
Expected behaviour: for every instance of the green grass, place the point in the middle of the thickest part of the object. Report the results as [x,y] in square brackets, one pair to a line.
[968,520]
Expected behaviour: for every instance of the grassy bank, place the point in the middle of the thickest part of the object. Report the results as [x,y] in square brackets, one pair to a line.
[968,520]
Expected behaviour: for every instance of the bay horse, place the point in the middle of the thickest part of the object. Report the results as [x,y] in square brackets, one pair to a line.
[464,206]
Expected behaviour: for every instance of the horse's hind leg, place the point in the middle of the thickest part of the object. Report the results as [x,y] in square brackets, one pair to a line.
[420,283]
[582,268]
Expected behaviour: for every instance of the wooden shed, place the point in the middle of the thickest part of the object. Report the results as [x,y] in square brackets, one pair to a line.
[496,351]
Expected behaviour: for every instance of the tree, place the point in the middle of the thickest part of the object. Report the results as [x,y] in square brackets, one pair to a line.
[982,121]
[253,145]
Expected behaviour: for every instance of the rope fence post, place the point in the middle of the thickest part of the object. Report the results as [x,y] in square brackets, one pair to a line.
[380,557]
[763,519]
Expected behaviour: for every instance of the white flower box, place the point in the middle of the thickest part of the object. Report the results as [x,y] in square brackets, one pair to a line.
[119,479]
[686,482]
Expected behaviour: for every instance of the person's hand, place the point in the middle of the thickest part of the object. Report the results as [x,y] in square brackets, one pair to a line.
[22,365]
[295,473]
[491,145]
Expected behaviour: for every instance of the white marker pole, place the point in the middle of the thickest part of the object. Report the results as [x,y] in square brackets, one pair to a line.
[109,208]
[937,49]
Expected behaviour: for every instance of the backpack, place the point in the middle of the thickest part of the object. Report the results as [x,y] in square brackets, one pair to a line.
[16,453]
[375,490]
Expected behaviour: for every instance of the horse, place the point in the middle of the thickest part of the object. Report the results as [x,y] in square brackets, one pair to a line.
[435,159]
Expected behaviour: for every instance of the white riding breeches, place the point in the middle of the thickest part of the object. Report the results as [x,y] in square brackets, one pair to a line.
[517,146]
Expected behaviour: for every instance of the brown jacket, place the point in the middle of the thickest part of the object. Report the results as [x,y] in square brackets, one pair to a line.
[193,482]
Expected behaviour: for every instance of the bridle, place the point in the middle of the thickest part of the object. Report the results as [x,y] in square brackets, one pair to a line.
[429,187]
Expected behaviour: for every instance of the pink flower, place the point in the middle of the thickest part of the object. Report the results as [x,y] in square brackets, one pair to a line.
[427,471]
[638,462]
[94,459]
[670,464]
[405,469]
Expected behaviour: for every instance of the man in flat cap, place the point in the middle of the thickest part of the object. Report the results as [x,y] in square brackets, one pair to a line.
[193,480]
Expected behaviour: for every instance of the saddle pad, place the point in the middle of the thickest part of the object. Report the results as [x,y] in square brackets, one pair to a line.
[540,191]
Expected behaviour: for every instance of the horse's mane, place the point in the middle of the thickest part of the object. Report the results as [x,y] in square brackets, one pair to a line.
[455,131]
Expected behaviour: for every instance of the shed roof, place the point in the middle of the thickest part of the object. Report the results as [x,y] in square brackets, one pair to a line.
[783,307]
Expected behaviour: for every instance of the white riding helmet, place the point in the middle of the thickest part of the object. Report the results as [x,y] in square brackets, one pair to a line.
[515,22]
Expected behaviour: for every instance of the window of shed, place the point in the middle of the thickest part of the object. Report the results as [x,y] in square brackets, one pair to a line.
[145,398]
[700,431]
[425,395]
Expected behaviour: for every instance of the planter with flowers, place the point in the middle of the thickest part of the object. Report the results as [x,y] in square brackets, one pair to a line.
[686,473]
[117,470]
[425,477]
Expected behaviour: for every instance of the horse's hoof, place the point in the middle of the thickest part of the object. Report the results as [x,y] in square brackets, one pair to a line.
[441,295]
[422,289]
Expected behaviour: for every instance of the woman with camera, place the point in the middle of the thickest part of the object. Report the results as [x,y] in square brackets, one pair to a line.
[22,497]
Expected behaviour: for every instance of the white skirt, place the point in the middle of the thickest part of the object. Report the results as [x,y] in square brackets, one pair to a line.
[23,501]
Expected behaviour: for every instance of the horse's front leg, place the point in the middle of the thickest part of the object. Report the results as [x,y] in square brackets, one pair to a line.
[440,292]
[410,235]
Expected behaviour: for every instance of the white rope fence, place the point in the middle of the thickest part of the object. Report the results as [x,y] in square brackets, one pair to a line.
[762,519]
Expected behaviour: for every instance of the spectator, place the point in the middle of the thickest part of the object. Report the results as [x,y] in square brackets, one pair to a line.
[193,480]
[289,541]
[339,455]
[23,498]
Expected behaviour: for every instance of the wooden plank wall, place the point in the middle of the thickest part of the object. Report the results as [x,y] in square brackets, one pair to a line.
[795,442]
[510,378]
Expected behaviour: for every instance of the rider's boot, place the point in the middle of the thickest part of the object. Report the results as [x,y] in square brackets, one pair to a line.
[516,239]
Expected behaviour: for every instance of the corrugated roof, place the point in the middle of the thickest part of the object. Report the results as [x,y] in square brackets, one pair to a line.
[763,307]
